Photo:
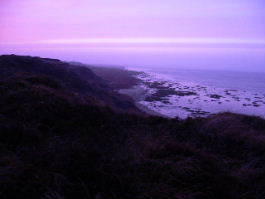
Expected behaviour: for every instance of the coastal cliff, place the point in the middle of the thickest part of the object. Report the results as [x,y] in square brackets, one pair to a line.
[65,132]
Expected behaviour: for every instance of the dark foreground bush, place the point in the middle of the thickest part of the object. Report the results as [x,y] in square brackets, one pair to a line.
[57,144]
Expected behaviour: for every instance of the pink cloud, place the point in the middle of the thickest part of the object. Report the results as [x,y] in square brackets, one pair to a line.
[31,20]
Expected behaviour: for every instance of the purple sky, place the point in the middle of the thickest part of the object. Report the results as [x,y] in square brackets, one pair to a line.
[119,22]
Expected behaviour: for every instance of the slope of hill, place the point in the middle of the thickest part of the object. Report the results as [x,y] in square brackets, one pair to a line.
[76,79]
[121,80]
[57,142]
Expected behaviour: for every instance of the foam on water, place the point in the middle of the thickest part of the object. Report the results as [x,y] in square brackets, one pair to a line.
[202,101]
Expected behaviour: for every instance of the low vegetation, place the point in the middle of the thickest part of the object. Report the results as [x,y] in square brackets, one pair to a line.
[61,141]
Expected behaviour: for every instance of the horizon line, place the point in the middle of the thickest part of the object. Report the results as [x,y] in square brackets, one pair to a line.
[147,40]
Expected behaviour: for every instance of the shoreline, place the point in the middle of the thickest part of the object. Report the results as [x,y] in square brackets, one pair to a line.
[161,95]
[138,93]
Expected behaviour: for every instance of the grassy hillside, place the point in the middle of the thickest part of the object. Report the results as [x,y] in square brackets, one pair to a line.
[76,79]
[60,139]
[117,78]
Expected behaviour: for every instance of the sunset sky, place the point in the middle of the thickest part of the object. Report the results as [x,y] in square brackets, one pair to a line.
[72,22]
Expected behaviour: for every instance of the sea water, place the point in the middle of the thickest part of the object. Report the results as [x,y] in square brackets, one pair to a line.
[219,69]
[240,80]
[238,68]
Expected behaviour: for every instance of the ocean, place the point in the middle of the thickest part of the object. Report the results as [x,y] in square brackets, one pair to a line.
[237,68]
[218,79]
[246,80]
